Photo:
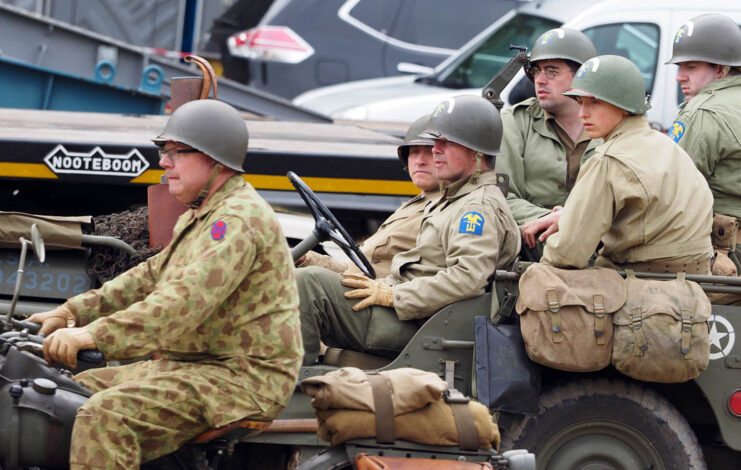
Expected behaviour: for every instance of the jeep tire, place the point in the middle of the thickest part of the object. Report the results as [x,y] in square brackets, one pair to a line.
[606,424]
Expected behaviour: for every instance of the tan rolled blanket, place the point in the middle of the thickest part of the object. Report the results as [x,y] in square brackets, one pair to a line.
[433,425]
[348,388]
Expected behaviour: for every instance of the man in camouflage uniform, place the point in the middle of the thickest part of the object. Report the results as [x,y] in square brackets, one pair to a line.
[398,232]
[465,236]
[217,308]
[544,142]
[639,197]
[707,50]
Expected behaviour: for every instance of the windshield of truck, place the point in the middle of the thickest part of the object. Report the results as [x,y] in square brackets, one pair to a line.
[638,42]
[486,60]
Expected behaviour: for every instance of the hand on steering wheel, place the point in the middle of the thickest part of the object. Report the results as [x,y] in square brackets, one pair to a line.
[327,227]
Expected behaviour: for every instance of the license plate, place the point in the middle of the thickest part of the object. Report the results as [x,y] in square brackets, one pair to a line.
[61,276]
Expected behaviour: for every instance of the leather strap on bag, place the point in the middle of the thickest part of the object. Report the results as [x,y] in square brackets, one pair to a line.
[639,338]
[553,307]
[468,436]
[385,430]
[599,318]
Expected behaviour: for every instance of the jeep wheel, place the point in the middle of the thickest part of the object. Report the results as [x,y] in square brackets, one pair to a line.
[606,425]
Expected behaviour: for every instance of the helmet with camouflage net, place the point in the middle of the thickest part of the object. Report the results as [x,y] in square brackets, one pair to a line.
[467,120]
[561,43]
[211,126]
[613,79]
[709,38]
[413,138]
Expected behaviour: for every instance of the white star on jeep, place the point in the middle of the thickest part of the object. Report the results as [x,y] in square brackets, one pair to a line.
[716,336]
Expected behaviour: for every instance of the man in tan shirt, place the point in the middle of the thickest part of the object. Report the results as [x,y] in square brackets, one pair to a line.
[465,236]
[640,196]
[399,232]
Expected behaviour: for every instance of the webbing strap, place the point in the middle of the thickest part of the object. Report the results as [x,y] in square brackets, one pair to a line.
[599,318]
[639,339]
[686,332]
[468,436]
[385,430]
[553,307]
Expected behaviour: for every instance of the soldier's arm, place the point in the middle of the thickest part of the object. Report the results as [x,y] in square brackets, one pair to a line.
[586,216]
[118,293]
[471,260]
[701,138]
[175,308]
[512,163]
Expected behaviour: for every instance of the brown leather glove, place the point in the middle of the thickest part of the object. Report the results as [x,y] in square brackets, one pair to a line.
[52,320]
[372,291]
[62,345]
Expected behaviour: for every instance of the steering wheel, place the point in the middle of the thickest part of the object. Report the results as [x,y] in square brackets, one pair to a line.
[93,356]
[326,227]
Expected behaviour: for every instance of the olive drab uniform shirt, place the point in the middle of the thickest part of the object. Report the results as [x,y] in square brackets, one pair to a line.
[708,127]
[642,197]
[465,236]
[540,158]
[396,234]
[220,299]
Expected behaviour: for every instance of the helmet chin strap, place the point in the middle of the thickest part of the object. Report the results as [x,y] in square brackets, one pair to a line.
[196,203]
[478,156]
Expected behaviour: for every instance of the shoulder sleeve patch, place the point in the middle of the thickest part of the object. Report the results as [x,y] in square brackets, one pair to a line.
[218,230]
[472,222]
[676,131]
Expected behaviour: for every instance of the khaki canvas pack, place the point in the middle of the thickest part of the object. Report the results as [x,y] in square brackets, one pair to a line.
[661,333]
[725,230]
[566,315]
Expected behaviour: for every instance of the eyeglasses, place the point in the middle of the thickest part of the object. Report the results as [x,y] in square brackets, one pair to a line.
[550,73]
[175,154]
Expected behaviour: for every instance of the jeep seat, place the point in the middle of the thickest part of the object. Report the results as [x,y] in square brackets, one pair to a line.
[348,358]
[236,430]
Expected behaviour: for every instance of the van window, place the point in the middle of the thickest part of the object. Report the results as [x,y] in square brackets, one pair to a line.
[494,52]
[638,42]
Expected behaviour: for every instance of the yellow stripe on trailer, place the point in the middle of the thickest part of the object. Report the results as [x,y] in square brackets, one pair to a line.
[26,170]
[318,184]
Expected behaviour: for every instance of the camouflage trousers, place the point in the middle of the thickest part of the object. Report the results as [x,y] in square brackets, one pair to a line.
[141,411]
[326,315]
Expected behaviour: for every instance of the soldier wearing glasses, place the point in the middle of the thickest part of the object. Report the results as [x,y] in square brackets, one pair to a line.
[544,141]
[218,308]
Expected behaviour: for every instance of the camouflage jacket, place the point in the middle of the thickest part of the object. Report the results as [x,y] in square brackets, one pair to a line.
[222,293]
[536,161]
[707,128]
[642,197]
[465,236]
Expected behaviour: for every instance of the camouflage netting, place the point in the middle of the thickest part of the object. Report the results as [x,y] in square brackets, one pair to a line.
[130,226]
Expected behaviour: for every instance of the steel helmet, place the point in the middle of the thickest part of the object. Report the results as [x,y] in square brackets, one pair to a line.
[613,79]
[413,138]
[468,120]
[562,43]
[709,38]
[211,126]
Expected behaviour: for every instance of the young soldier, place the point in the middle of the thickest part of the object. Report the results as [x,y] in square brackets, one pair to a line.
[544,141]
[708,52]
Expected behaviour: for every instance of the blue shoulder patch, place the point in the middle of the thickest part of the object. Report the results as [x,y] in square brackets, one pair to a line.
[218,230]
[472,222]
[676,131]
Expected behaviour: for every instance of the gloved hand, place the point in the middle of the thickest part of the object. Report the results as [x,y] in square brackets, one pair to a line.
[372,291]
[52,320]
[62,345]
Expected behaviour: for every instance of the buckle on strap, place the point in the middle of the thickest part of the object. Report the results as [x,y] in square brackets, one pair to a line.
[686,331]
[554,308]
[599,318]
[639,338]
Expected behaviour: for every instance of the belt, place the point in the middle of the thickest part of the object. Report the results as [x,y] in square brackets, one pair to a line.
[699,267]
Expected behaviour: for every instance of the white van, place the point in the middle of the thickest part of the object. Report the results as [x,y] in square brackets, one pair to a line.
[637,29]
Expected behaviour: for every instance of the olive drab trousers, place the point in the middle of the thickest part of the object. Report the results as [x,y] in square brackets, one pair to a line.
[326,315]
